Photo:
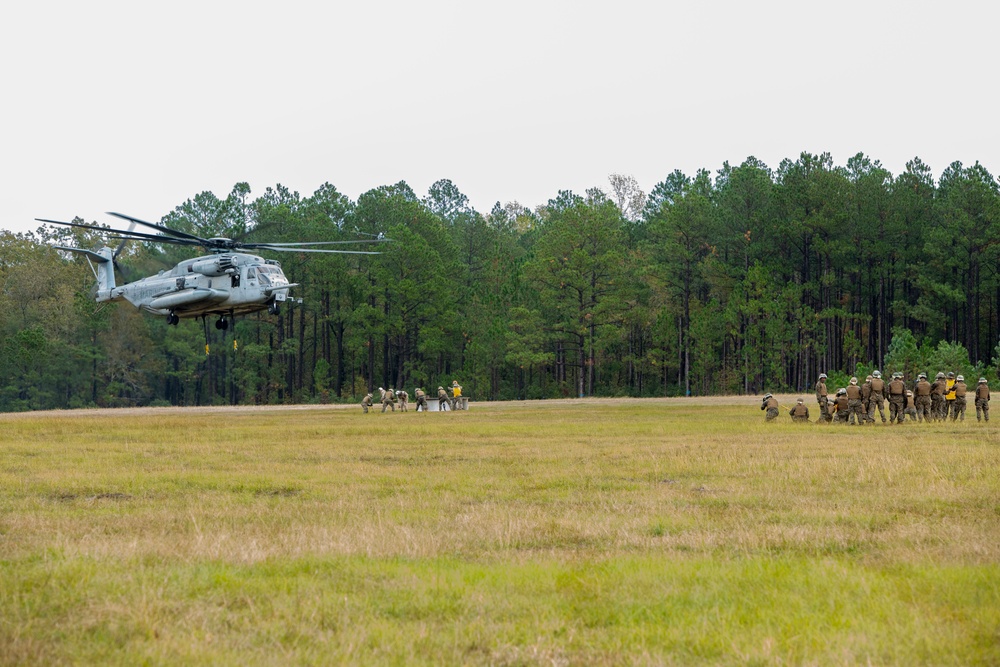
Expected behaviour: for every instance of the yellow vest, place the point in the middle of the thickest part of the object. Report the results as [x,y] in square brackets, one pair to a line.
[456,391]
[951,391]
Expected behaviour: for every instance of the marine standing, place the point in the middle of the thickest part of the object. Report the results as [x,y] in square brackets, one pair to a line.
[958,405]
[421,399]
[877,398]
[821,398]
[897,398]
[938,390]
[456,394]
[854,402]
[949,396]
[922,398]
[769,403]
[866,397]
[442,398]
[983,399]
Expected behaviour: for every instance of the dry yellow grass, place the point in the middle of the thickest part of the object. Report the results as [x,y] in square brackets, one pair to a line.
[610,532]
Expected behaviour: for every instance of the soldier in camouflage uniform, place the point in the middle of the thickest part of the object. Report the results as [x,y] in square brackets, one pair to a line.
[388,399]
[897,398]
[421,399]
[938,390]
[442,398]
[958,405]
[403,398]
[922,398]
[799,413]
[854,402]
[949,395]
[822,398]
[910,408]
[841,408]
[877,397]
[769,403]
[366,402]
[983,399]
[866,397]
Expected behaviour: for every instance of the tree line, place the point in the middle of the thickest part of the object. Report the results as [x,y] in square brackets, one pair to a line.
[742,281]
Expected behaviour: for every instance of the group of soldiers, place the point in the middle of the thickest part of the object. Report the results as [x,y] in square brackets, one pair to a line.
[389,398]
[925,401]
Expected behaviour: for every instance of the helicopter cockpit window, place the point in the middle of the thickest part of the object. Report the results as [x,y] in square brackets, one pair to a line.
[271,275]
[263,273]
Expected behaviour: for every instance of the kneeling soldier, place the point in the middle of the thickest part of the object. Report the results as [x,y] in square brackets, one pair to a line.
[799,413]
[770,404]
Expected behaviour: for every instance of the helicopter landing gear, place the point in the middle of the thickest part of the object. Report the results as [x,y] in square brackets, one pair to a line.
[172,318]
[222,323]
[273,308]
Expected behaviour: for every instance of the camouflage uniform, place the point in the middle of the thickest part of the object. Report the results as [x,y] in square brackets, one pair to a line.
[983,399]
[799,413]
[822,399]
[456,393]
[770,404]
[388,399]
[841,408]
[949,396]
[366,402]
[958,405]
[897,399]
[938,390]
[910,408]
[404,399]
[866,397]
[442,398]
[922,398]
[854,402]
[877,398]
[421,399]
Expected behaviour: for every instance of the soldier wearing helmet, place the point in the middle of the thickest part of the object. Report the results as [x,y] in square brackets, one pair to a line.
[799,412]
[769,403]
[421,399]
[958,405]
[822,399]
[877,397]
[388,399]
[841,408]
[922,397]
[897,398]
[983,399]
[949,395]
[366,402]
[854,402]
[866,397]
[938,389]
[910,408]
[442,398]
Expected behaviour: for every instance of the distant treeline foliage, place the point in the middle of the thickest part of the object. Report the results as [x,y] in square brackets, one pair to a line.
[752,280]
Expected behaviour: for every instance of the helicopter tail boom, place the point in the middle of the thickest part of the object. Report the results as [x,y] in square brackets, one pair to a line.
[105,270]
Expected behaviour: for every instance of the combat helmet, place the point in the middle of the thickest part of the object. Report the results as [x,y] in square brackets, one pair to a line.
[960,378]
[854,380]
[983,381]
[922,376]
[939,376]
[951,374]
[767,396]
[876,374]
[822,376]
[841,391]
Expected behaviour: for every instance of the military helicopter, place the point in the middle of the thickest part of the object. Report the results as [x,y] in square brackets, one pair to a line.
[224,284]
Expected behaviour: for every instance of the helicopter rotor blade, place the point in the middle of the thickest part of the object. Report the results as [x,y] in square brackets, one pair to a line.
[163,229]
[282,248]
[309,243]
[135,236]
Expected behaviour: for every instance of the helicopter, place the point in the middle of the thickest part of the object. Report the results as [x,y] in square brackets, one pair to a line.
[226,283]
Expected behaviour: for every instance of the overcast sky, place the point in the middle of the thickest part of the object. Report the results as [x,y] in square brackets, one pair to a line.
[136,107]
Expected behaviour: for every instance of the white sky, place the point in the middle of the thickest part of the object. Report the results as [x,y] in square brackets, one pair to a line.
[136,107]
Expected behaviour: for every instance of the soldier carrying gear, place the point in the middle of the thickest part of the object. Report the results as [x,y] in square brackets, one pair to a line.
[866,396]
[958,405]
[799,413]
[769,403]
[897,398]
[821,398]
[366,402]
[442,398]
[456,393]
[854,402]
[877,397]
[389,400]
[403,398]
[983,399]
[922,398]
[841,407]
[938,389]
[910,409]
[421,399]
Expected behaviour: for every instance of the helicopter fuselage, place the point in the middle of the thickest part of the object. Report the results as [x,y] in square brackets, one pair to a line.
[221,284]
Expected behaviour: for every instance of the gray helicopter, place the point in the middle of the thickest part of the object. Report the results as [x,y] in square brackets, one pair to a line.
[224,284]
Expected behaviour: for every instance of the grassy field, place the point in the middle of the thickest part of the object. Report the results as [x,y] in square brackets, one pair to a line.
[660,532]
